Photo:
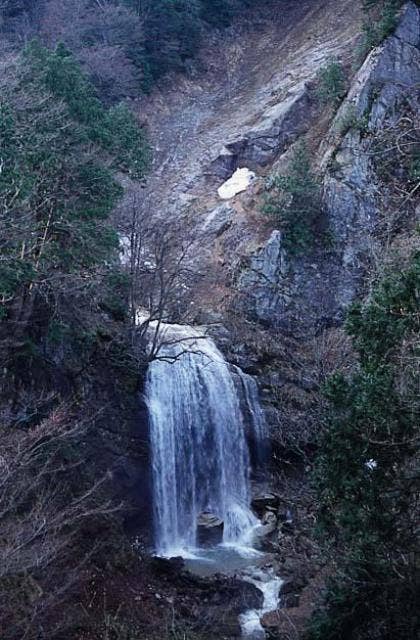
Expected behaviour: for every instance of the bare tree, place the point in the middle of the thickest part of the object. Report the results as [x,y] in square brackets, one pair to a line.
[41,518]
[160,256]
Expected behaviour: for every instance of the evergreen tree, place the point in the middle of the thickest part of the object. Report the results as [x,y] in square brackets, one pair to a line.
[58,147]
[294,200]
[367,473]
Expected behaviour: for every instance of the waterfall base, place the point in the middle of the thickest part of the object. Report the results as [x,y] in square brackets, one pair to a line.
[249,565]
[224,559]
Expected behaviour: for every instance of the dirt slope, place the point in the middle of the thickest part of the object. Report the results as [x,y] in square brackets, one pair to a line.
[248,70]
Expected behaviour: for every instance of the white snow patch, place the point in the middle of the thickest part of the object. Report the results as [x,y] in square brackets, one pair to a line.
[239,182]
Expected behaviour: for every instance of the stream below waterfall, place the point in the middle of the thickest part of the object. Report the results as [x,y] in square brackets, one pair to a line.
[203,414]
[251,566]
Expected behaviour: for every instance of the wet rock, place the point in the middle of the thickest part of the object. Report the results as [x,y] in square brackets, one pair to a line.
[282,624]
[262,503]
[209,530]
[270,623]
[293,585]
[268,524]
[226,602]
[170,567]
[290,600]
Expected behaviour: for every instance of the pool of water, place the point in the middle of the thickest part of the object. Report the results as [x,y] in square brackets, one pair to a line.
[249,565]
[227,559]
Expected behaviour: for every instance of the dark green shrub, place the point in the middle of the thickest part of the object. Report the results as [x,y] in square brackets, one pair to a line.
[294,201]
[331,83]
[367,470]
[380,22]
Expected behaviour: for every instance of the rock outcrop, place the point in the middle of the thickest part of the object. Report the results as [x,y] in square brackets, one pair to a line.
[209,530]
[278,126]
[264,502]
[304,293]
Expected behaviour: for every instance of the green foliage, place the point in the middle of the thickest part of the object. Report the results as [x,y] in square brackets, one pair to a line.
[380,22]
[58,146]
[414,169]
[115,130]
[294,201]
[366,470]
[217,12]
[117,287]
[331,83]
[380,326]
[172,31]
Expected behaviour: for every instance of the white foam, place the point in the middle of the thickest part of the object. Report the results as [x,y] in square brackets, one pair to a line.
[186,554]
[242,550]
[269,584]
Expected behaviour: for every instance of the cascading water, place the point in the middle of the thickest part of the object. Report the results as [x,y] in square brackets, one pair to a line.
[200,454]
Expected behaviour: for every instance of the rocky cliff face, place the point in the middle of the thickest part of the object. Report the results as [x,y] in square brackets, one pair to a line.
[277,314]
[308,293]
[254,101]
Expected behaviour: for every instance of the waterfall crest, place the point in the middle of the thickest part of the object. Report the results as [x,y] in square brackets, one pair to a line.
[200,454]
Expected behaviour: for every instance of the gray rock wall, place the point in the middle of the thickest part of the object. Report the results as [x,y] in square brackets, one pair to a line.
[305,293]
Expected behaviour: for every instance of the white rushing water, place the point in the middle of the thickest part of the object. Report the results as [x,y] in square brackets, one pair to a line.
[200,454]
[250,621]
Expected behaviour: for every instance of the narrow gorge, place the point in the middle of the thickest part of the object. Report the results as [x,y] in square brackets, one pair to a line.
[209,319]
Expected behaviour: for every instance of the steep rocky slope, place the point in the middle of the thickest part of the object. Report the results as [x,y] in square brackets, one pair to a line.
[276,314]
[254,101]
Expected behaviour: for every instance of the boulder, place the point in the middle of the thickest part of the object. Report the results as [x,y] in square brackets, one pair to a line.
[270,623]
[209,530]
[286,623]
[291,600]
[265,502]
[224,164]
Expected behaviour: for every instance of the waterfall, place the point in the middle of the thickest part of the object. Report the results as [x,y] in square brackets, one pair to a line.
[200,454]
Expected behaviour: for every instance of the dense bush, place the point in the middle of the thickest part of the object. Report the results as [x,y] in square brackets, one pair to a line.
[58,146]
[380,21]
[294,202]
[172,31]
[331,83]
[367,471]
